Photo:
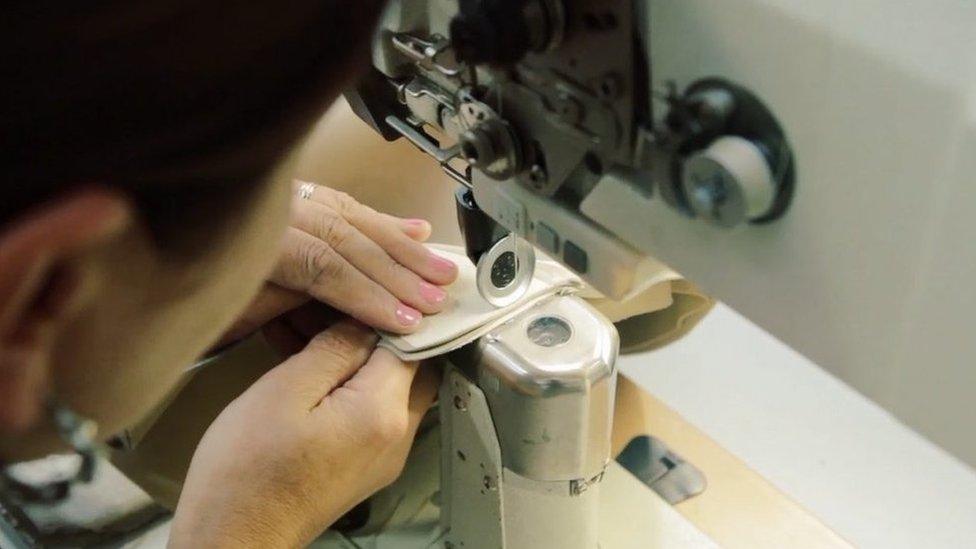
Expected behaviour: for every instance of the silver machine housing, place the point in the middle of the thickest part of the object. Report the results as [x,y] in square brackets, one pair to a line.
[526,418]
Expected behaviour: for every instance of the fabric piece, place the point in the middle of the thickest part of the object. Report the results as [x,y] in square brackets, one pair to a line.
[650,299]
[656,328]
[468,316]
[663,307]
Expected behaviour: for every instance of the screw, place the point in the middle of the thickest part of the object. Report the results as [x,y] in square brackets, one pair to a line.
[709,192]
[537,176]
[609,86]
[460,404]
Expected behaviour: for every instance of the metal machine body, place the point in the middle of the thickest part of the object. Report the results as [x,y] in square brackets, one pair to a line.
[526,419]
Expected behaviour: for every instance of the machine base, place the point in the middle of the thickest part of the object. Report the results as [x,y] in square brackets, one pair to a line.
[632,516]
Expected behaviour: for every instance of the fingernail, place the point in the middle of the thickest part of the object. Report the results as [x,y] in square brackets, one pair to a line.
[407,316]
[432,294]
[418,227]
[442,264]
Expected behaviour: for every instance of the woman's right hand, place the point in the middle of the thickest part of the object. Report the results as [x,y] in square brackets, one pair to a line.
[308,441]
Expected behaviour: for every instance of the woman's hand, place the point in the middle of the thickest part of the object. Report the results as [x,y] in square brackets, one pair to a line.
[369,265]
[334,422]
[308,441]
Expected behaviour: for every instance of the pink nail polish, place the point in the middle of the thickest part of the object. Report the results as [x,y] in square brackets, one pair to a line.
[432,294]
[408,316]
[442,264]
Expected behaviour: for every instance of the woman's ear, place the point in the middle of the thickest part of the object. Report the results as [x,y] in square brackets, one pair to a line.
[41,285]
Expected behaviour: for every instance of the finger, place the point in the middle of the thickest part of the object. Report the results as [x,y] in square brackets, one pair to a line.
[310,265]
[417,229]
[386,378]
[423,392]
[387,232]
[408,252]
[421,395]
[366,255]
[326,362]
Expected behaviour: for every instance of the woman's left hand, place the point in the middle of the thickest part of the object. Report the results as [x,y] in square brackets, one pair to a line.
[369,265]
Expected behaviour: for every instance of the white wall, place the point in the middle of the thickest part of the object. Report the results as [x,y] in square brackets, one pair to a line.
[871,273]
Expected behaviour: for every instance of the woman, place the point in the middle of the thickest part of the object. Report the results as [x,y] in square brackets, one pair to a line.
[142,225]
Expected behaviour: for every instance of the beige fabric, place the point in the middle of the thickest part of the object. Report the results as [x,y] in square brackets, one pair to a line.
[654,328]
[660,313]
[468,316]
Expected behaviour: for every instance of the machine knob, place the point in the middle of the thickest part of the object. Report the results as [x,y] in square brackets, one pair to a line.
[502,32]
[729,182]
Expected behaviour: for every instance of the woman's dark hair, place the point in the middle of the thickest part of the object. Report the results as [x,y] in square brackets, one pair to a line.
[184,104]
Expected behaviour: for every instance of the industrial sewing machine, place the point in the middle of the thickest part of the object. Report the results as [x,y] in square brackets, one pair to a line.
[770,151]
[809,163]
[543,112]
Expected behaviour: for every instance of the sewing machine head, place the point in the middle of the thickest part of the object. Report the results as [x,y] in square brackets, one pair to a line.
[542,111]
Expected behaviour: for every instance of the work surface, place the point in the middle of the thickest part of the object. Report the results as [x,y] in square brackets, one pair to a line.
[825,464]
[738,508]
[866,476]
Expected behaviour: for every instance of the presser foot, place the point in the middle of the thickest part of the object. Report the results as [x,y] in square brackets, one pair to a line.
[504,272]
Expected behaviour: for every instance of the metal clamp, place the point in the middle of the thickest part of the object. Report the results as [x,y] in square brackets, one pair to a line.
[505,271]
[429,53]
[427,144]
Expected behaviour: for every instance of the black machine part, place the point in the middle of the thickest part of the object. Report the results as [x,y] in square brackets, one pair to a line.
[480,232]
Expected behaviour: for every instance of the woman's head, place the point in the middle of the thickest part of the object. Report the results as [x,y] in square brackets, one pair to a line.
[140,208]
